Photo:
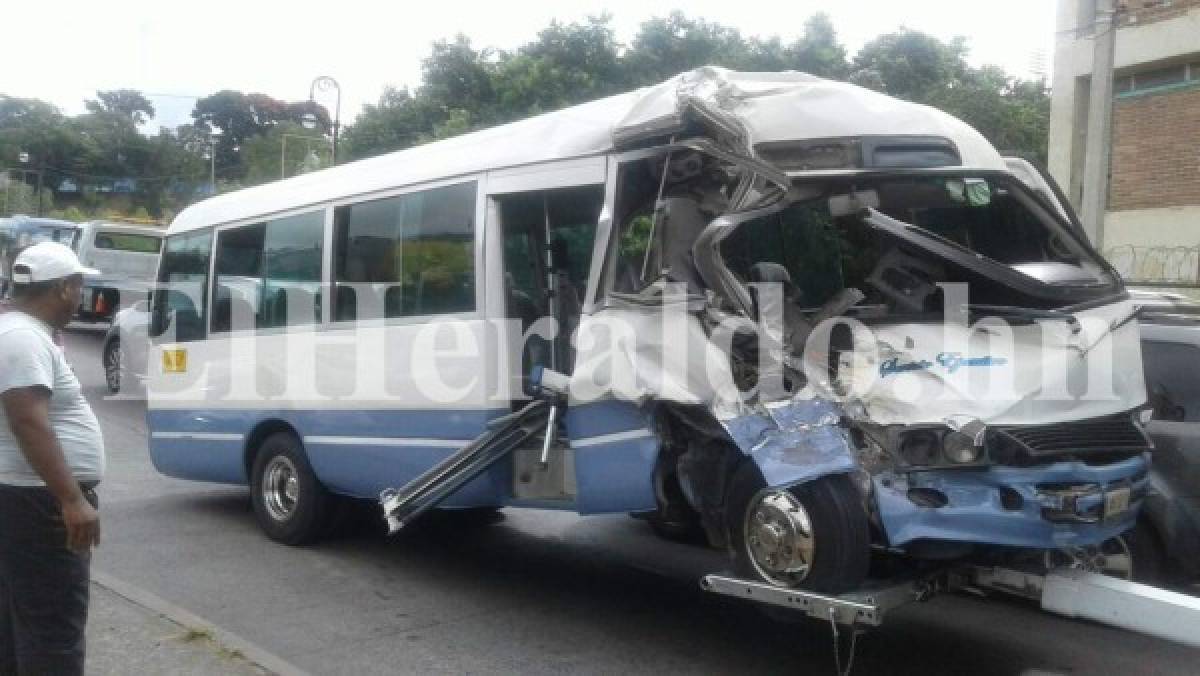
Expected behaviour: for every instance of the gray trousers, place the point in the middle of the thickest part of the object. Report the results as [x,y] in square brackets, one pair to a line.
[43,587]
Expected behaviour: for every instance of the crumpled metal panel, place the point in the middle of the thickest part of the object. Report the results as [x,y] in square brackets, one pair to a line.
[974,513]
[794,441]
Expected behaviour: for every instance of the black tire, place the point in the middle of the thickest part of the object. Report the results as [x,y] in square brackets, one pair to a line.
[1148,554]
[686,530]
[293,517]
[841,544]
[113,363]
[675,519]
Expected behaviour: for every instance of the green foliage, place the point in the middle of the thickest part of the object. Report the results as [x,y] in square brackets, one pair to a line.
[467,88]
[636,238]
[1013,114]
[71,213]
[127,103]
[265,159]
[233,119]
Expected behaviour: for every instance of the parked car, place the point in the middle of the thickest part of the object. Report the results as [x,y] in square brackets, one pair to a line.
[127,257]
[1166,545]
[124,350]
[20,231]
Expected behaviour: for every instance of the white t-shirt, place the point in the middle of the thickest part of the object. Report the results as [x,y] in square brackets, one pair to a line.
[29,357]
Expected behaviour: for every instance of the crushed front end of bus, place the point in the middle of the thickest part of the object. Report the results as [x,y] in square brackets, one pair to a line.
[896,352]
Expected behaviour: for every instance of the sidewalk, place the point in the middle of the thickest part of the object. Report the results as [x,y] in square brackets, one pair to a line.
[127,638]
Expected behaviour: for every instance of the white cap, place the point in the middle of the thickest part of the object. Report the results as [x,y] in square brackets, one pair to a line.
[46,261]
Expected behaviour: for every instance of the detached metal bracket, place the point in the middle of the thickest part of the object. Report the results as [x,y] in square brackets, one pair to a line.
[858,608]
[1069,592]
[1120,603]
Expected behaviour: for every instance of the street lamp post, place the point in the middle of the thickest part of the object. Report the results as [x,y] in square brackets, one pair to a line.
[41,170]
[325,83]
[212,161]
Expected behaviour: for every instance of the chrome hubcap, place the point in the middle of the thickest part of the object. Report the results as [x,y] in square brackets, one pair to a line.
[280,488]
[1110,557]
[779,537]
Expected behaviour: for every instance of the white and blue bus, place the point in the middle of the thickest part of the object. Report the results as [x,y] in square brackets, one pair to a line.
[340,333]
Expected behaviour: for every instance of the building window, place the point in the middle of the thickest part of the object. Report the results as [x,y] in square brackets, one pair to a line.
[1161,77]
[1181,75]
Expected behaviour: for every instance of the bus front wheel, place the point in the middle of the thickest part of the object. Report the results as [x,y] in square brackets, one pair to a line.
[812,536]
[291,505]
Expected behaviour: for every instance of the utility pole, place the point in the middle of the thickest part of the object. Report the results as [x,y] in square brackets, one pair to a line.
[41,173]
[1098,146]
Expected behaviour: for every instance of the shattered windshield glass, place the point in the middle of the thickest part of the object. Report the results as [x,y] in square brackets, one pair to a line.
[992,227]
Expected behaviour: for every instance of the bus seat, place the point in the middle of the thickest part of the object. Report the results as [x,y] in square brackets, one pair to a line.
[345,304]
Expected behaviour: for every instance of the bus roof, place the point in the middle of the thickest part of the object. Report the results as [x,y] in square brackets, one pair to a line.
[765,107]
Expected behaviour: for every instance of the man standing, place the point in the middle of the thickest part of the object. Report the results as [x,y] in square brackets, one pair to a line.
[51,458]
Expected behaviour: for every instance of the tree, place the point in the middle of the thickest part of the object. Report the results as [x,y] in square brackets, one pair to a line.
[398,120]
[1013,114]
[910,65]
[241,117]
[458,77]
[263,153]
[667,46]
[818,52]
[128,103]
[40,133]
[566,64]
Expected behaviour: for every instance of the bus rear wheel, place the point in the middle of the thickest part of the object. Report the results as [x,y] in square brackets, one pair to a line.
[812,536]
[292,507]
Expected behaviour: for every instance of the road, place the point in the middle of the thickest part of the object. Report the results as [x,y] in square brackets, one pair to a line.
[537,593]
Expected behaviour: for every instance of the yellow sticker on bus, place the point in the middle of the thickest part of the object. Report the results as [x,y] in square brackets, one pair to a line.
[174,361]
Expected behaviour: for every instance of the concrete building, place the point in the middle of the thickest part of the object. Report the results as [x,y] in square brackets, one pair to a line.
[1151,230]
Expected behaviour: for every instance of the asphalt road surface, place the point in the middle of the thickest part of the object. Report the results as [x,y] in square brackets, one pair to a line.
[536,593]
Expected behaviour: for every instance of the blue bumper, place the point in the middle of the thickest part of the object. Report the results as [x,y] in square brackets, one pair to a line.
[975,512]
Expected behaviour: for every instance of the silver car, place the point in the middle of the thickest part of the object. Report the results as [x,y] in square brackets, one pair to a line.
[125,346]
[1167,542]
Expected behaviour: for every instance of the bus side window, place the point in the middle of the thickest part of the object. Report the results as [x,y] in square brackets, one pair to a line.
[416,252]
[237,287]
[182,293]
[292,271]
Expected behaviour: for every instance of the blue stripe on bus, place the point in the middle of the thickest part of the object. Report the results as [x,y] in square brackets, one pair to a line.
[199,460]
[390,423]
[614,476]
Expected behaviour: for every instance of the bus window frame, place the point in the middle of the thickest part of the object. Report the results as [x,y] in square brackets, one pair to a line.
[479,226]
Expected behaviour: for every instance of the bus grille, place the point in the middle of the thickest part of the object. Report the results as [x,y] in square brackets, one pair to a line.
[1112,436]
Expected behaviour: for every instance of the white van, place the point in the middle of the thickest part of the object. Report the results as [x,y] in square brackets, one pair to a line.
[127,258]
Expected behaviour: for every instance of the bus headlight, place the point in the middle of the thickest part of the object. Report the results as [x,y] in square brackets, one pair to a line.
[919,447]
[960,448]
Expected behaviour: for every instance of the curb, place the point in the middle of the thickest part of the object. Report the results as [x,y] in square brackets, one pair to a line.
[252,652]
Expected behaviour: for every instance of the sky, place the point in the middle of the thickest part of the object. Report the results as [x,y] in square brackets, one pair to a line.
[178,51]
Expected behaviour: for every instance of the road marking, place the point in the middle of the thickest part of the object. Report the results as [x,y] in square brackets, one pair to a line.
[185,618]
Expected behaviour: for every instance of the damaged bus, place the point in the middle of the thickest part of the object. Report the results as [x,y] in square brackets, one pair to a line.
[799,320]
